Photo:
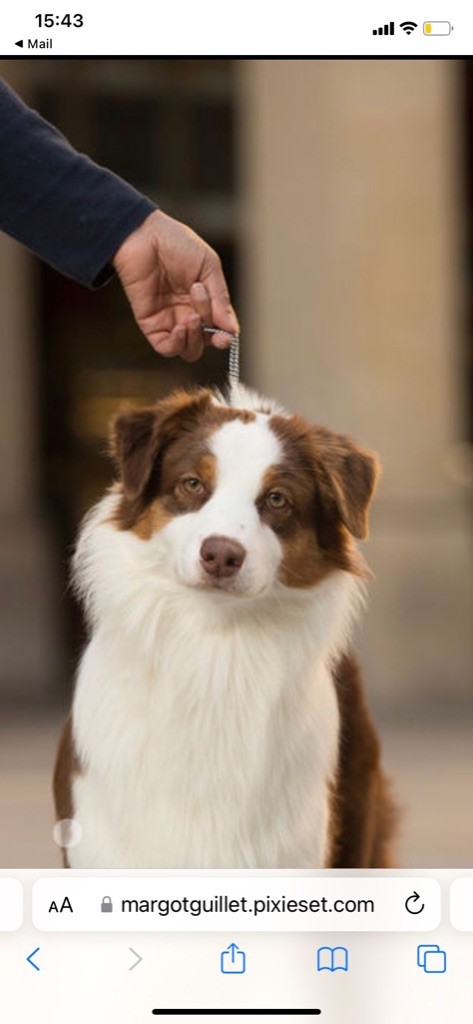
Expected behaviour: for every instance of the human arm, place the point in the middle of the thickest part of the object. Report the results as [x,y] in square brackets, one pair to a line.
[88,223]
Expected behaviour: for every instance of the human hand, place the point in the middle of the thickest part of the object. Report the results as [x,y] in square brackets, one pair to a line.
[175,284]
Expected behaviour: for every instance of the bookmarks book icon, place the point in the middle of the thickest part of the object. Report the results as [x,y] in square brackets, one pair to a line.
[332,958]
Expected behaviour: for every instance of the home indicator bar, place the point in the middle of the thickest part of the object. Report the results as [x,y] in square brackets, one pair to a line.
[239,1013]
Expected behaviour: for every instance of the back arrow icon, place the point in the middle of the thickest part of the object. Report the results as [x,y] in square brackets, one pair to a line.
[137,961]
[409,904]
[30,958]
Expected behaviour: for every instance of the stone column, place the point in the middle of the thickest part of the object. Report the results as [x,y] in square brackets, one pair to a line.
[353,271]
[30,649]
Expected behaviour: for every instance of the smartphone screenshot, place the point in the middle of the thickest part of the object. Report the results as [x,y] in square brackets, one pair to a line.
[236,399]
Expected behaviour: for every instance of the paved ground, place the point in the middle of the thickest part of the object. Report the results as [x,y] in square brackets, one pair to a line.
[431,765]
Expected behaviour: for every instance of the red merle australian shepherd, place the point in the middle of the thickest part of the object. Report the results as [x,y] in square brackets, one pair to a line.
[218,719]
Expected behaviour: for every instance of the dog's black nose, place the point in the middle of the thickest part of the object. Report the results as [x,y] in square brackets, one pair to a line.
[221,556]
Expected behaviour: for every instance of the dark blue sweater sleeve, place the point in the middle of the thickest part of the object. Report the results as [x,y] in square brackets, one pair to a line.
[65,208]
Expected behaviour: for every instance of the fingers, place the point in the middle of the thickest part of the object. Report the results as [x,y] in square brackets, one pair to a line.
[185,340]
[194,339]
[201,303]
[222,313]
[200,300]
[168,343]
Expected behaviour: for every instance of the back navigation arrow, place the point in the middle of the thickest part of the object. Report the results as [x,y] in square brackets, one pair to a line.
[19,43]
[30,958]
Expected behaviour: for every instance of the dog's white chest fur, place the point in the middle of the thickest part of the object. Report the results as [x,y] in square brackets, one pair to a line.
[209,741]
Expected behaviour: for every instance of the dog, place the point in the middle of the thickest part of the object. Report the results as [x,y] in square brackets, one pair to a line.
[218,719]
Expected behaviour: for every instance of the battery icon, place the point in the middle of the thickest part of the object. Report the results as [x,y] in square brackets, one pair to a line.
[437,28]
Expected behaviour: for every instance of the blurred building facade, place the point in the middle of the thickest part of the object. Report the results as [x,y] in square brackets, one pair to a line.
[356,282]
[336,187]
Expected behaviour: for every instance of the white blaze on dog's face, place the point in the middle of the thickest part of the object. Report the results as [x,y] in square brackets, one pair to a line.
[225,543]
[236,500]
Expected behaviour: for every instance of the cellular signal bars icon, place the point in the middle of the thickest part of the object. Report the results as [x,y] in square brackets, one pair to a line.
[384,30]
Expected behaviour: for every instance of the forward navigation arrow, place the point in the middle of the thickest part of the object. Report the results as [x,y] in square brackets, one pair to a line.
[138,958]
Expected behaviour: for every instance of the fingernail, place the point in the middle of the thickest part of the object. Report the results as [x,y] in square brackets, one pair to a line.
[234,321]
[199,290]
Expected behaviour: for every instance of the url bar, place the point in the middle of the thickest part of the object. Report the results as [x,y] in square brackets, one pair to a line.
[193,904]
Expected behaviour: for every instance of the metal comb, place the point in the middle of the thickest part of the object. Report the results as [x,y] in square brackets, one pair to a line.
[234,353]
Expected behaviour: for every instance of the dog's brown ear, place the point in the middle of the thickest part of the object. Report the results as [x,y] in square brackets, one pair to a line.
[138,436]
[132,445]
[347,476]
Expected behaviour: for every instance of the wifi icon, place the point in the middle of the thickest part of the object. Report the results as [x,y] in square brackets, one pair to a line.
[408,26]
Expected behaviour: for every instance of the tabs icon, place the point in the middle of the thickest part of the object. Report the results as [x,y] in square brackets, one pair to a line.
[432,959]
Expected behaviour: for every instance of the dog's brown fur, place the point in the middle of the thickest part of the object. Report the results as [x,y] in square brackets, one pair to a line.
[66,767]
[364,815]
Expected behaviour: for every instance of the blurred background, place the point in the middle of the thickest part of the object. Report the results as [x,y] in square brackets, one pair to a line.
[339,195]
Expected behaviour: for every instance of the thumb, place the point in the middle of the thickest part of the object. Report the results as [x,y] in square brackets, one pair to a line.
[223,314]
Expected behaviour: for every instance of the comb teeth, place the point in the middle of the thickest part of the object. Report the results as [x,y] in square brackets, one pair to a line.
[234,361]
[220,330]
[234,354]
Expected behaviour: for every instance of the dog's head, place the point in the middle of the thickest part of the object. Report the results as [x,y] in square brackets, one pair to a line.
[236,496]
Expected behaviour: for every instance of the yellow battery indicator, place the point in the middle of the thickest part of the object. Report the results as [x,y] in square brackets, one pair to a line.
[437,28]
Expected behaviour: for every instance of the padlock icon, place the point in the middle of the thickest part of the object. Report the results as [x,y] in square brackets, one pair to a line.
[107,905]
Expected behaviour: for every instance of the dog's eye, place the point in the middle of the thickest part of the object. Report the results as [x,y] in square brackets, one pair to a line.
[276,499]
[193,485]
